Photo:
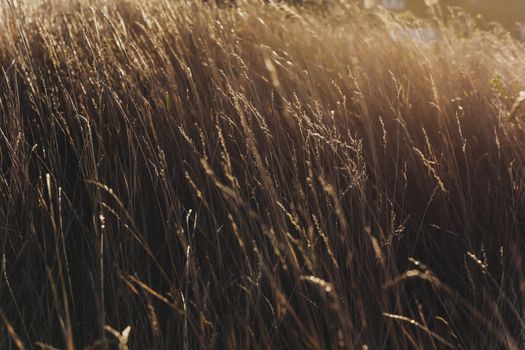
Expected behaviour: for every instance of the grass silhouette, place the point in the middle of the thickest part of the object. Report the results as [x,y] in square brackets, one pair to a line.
[258,176]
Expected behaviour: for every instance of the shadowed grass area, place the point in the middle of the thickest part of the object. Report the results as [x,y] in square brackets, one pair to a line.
[258,176]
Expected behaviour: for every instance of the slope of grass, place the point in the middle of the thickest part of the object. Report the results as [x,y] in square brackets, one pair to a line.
[258,176]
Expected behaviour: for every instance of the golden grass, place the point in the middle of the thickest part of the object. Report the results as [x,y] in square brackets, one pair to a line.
[258,176]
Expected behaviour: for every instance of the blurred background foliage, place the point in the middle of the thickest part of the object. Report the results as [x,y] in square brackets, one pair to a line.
[508,12]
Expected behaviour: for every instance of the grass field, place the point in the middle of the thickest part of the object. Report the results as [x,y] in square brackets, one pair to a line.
[258,176]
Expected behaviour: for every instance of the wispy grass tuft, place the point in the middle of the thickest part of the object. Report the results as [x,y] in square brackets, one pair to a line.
[258,176]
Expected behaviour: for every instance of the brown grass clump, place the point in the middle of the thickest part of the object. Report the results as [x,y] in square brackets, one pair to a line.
[258,176]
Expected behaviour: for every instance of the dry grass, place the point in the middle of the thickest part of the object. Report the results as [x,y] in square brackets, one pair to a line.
[258,176]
